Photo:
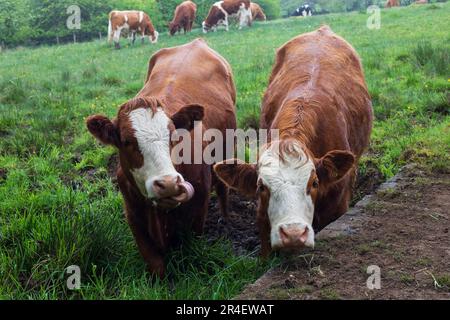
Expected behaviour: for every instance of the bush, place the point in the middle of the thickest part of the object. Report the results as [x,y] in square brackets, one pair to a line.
[271,8]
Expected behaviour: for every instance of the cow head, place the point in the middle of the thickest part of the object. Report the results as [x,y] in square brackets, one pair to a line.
[288,182]
[153,36]
[206,27]
[173,28]
[141,132]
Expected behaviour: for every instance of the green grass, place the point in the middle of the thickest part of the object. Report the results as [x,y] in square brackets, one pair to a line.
[58,206]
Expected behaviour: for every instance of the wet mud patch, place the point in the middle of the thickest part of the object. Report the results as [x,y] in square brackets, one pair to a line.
[240,227]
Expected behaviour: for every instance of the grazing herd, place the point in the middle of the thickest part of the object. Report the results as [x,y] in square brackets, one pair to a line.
[316,100]
[134,21]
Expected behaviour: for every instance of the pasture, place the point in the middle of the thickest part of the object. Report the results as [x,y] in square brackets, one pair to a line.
[59,204]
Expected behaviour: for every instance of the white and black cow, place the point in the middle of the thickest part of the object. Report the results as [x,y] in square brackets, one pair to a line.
[304,10]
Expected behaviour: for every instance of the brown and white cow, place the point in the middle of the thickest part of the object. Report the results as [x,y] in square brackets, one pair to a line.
[183,18]
[318,101]
[257,12]
[132,21]
[392,3]
[421,2]
[184,84]
[222,10]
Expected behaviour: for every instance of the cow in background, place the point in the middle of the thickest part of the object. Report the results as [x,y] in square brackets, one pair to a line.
[132,21]
[184,84]
[317,100]
[257,12]
[304,10]
[183,18]
[221,11]
[392,3]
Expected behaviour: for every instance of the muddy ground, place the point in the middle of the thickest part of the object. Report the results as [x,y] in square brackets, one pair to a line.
[403,229]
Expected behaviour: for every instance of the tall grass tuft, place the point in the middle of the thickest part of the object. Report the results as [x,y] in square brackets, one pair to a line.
[435,60]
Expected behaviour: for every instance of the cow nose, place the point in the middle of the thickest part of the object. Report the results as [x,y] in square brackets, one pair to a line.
[166,186]
[293,235]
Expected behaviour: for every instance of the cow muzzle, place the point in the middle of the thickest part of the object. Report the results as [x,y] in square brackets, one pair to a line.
[169,191]
[205,27]
[291,237]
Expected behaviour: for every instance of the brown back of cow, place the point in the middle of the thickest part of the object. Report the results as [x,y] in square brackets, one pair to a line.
[318,94]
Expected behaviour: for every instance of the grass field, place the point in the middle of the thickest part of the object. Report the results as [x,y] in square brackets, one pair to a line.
[59,206]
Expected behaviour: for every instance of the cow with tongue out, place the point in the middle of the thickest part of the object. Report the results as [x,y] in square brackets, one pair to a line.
[163,197]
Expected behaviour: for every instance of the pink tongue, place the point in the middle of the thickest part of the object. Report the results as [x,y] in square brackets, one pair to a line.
[189,189]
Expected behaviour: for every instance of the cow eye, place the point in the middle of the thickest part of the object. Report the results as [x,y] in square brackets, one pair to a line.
[261,188]
[315,184]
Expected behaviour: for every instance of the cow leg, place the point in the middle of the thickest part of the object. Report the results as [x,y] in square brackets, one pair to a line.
[134,214]
[151,256]
[134,37]
[116,38]
[200,203]
[226,23]
[222,194]
[264,235]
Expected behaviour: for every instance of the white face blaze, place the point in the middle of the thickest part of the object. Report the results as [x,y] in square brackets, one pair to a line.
[154,38]
[287,180]
[204,27]
[153,136]
[245,16]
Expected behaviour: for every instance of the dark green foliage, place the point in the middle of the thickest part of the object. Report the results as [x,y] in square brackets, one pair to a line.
[271,8]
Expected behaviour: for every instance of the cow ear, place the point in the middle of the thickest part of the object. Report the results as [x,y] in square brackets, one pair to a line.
[238,175]
[103,129]
[184,119]
[333,166]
